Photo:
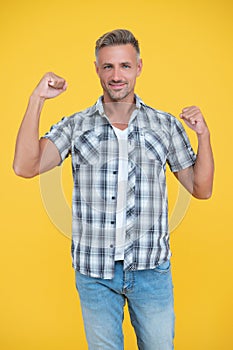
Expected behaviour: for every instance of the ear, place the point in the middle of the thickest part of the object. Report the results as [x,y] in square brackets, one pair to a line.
[139,68]
[96,67]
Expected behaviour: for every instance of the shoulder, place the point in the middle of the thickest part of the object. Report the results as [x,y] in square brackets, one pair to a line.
[76,119]
[166,120]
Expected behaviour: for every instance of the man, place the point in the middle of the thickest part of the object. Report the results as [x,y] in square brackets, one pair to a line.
[119,147]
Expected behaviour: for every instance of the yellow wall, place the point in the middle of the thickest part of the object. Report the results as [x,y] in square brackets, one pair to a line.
[187,52]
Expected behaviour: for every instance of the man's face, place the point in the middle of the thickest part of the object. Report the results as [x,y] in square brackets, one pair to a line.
[118,67]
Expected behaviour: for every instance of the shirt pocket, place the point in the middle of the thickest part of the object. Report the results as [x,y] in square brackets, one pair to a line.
[155,147]
[87,148]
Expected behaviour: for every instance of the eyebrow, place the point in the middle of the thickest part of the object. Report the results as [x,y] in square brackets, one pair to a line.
[126,62]
[110,64]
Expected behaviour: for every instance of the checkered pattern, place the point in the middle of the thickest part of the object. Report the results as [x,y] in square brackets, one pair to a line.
[155,138]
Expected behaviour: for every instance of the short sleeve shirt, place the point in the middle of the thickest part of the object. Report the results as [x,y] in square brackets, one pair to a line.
[155,139]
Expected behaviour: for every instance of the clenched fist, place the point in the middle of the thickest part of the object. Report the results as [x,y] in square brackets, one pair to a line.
[51,85]
[193,117]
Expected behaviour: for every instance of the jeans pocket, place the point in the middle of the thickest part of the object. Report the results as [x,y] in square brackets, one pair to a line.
[164,267]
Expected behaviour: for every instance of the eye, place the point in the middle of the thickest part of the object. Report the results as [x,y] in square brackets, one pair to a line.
[126,66]
[107,66]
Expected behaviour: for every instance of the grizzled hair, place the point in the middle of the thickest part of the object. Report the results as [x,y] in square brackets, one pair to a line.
[117,37]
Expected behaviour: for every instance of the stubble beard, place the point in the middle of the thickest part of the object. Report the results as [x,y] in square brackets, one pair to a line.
[118,96]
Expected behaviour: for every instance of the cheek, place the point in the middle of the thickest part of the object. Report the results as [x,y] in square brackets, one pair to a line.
[132,75]
[104,77]
[132,78]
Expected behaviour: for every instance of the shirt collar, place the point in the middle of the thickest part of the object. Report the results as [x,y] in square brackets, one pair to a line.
[100,108]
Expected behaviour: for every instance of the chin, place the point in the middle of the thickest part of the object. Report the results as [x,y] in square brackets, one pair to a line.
[118,96]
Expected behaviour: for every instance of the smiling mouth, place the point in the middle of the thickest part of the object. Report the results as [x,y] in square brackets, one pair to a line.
[117,86]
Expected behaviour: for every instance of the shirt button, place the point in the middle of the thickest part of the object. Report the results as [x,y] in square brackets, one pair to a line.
[111,245]
[112,222]
[113,197]
[114,172]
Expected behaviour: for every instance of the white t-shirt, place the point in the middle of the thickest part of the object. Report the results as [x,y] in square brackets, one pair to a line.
[122,136]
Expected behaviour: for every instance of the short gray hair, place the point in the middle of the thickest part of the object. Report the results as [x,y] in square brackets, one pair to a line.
[117,37]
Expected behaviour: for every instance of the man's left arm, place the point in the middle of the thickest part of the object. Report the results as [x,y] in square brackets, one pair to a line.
[198,179]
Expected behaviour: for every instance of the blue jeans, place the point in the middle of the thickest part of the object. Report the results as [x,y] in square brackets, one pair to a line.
[149,294]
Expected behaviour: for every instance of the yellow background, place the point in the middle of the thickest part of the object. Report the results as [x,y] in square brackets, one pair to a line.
[187,52]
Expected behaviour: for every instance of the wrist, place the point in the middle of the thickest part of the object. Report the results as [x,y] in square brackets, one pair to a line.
[36,98]
[205,133]
[35,104]
[204,137]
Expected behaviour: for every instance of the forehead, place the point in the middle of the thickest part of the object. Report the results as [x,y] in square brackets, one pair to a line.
[117,53]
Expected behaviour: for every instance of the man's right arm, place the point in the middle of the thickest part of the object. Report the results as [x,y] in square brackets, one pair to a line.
[33,155]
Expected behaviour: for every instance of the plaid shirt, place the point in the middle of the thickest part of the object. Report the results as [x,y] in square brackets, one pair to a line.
[154,139]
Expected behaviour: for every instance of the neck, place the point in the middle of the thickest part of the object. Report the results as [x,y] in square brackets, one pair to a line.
[119,113]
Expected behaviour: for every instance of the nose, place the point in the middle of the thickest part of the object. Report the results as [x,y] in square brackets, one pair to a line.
[116,76]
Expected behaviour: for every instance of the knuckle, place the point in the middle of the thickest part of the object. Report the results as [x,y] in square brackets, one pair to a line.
[48,74]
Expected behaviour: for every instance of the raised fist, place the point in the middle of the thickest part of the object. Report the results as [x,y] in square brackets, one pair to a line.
[50,86]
